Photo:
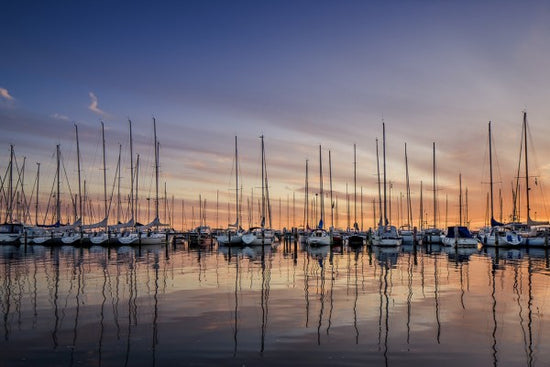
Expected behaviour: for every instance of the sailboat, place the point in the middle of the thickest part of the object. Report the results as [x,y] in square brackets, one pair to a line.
[531,233]
[433,235]
[497,233]
[355,237]
[103,236]
[233,234]
[76,234]
[385,234]
[405,231]
[320,236]
[49,234]
[10,231]
[260,235]
[149,234]
[305,232]
[459,235]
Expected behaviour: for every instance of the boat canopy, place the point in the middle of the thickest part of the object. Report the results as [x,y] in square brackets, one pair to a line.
[495,223]
[118,226]
[531,222]
[155,223]
[463,232]
[101,224]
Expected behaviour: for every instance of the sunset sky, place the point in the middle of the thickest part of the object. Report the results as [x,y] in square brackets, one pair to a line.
[302,73]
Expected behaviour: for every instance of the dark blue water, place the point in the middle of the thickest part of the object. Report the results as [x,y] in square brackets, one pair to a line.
[281,305]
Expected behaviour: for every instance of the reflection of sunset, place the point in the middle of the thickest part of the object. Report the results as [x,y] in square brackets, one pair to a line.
[425,302]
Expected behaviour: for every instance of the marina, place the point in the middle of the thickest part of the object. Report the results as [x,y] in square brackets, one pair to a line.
[274,183]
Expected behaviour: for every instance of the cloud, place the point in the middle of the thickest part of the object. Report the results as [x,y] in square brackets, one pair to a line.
[58,116]
[5,94]
[6,99]
[94,105]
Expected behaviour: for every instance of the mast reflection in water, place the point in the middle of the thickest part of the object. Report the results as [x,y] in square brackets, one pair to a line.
[181,305]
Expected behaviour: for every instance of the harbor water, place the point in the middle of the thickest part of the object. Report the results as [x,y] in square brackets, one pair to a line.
[283,304]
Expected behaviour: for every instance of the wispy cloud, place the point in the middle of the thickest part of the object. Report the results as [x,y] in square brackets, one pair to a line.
[59,116]
[94,105]
[6,99]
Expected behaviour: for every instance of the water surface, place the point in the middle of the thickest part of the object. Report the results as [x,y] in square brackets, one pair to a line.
[273,305]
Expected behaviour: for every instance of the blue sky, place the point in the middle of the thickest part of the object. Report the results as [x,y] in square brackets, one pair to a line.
[302,73]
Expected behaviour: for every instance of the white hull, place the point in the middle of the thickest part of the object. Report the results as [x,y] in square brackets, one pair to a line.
[9,237]
[136,239]
[253,239]
[387,236]
[234,239]
[41,240]
[377,241]
[99,238]
[319,241]
[460,242]
[533,241]
[432,238]
[73,238]
[407,237]
[512,240]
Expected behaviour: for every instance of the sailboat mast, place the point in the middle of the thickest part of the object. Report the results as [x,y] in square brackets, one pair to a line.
[433,185]
[236,184]
[322,202]
[379,188]
[104,176]
[409,205]
[10,188]
[79,178]
[526,167]
[460,198]
[384,160]
[131,172]
[355,186]
[307,195]
[263,186]
[200,211]
[119,203]
[58,199]
[421,208]
[37,191]
[156,170]
[491,172]
[330,180]
[136,209]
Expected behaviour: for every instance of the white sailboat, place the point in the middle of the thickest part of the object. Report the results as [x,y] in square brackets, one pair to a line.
[497,234]
[320,236]
[531,233]
[405,231]
[233,234]
[148,234]
[459,235]
[103,236]
[76,234]
[433,234]
[355,237]
[386,234]
[259,235]
[10,231]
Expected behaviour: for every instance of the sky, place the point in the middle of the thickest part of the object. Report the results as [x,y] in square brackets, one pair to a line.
[300,73]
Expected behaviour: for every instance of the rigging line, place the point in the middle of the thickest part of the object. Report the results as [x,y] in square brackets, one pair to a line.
[67,178]
[28,209]
[50,198]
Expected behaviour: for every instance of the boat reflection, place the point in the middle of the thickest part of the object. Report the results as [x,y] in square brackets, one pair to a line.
[129,306]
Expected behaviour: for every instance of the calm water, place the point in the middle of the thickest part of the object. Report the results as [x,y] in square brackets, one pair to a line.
[273,305]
